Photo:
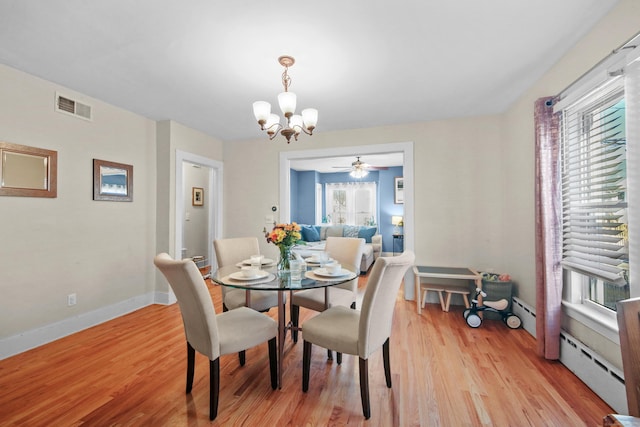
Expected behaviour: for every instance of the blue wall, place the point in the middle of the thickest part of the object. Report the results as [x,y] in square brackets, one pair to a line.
[303,187]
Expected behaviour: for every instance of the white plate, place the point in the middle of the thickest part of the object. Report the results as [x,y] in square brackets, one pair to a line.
[265,261]
[239,275]
[324,273]
[314,260]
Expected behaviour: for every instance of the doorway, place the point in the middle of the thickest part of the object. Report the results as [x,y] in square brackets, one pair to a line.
[198,206]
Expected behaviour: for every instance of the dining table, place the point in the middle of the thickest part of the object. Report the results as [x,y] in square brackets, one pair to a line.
[269,278]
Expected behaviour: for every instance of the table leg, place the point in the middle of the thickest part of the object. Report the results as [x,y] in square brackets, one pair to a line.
[281,336]
[479,286]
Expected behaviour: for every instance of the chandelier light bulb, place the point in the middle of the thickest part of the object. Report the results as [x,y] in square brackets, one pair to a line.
[261,109]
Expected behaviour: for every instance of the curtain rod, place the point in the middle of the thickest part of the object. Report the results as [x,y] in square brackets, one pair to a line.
[626,45]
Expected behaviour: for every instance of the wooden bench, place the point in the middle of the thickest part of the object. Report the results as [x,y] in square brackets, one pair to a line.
[457,273]
[444,302]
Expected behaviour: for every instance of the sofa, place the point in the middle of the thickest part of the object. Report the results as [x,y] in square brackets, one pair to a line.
[315,237]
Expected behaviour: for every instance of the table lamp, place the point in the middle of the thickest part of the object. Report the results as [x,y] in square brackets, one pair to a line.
[396,220]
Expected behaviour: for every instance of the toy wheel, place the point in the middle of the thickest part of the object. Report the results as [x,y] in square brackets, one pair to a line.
[466,312]
[474,320]
[513,321]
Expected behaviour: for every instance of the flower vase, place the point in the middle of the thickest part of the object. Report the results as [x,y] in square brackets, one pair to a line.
[285,257]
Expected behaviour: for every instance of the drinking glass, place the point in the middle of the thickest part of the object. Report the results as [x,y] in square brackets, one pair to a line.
[296,267]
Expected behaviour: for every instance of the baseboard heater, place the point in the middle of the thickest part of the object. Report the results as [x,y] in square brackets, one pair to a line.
[599,375]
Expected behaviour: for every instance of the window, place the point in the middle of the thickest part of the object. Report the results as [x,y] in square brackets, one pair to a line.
[594,188]
[599,144]
[352,203]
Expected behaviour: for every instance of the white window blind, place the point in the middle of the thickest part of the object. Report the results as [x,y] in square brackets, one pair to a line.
[599,132]
[594,185]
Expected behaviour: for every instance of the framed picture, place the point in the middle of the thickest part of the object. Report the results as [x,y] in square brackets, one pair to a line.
[197,196]
[28,171]
[399,190]
[112,181]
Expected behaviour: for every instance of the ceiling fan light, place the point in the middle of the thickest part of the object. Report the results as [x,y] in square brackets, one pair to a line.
[359,173]
[310,118]
[287,102]
[261,109]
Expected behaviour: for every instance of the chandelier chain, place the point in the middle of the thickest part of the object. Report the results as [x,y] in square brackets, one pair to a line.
[286,79]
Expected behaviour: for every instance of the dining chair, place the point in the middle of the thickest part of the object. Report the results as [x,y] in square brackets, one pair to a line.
[360,332]
[348,252]
[628,314]
[211,334]
[231,252]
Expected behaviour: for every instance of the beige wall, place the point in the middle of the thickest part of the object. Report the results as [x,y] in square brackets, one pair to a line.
[457,186]
[101,251]
[71,244]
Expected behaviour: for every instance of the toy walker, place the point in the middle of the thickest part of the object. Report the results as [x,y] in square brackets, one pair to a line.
[500,307]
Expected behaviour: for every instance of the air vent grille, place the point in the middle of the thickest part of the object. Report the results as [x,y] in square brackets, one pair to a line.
[69,106]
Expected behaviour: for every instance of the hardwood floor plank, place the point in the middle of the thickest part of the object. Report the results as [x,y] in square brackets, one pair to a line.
[131,372]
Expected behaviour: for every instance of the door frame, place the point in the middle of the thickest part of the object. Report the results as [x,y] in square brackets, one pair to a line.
[406,148]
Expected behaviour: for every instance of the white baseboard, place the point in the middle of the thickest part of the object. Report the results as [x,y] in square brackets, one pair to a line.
[599,375]
[28,340]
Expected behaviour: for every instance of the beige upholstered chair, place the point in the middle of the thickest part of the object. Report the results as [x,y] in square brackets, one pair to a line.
[628,312]
[210,334]
[348,252]
[360,332]
[231,252]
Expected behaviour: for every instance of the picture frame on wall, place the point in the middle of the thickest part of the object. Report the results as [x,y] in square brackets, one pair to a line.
[112,181]
[197,196]
[398,190]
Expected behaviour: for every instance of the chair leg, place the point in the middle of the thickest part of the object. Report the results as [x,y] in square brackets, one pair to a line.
[339,357]
[242,357]
[387,362]
[191,364]
[364,387]
[295,316]
[306,365]
[273,363]
[214,387]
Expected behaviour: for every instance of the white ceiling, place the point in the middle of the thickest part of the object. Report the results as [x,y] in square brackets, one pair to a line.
[361,63]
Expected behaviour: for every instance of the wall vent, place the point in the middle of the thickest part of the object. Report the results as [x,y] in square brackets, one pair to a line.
[593,370]
[67,105]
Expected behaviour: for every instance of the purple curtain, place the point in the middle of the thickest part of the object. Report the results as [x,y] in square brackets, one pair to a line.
[548,207]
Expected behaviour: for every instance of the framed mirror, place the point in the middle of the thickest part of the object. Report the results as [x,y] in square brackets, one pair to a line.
[28,171]
[112,181]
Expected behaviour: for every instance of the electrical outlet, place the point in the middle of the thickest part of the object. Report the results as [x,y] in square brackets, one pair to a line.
[71,299]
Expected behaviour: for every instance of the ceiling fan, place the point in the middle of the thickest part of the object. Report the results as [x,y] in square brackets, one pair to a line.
[360,169]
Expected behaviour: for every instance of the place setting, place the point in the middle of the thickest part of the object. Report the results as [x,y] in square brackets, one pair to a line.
[249,273]
[331,271]
[258,261]
[320,259]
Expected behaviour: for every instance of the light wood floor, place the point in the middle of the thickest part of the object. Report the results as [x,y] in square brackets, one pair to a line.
[131,372]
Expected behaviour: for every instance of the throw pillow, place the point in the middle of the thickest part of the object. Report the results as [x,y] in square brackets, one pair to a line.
[367,233]
[334,231]
[309,233]
[350,231]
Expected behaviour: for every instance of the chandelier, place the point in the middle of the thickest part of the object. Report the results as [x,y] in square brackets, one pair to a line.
[287,101]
